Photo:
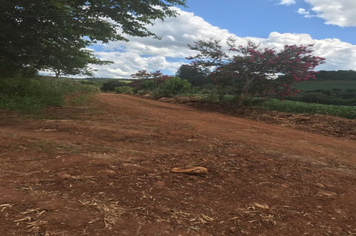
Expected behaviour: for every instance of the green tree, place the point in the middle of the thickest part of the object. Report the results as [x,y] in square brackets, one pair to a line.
[32,32]
[195,75]
[73,61]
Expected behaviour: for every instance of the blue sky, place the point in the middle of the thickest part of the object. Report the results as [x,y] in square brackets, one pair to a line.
[257,18]
[328,24]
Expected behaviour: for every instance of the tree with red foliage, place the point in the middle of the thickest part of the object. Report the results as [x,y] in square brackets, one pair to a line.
[249,69]
[141,74]
[148,80]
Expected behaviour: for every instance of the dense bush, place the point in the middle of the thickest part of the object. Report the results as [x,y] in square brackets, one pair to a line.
[112,85]
[124,90]
[150,85]
[32,95]
[172,87]
[196,76]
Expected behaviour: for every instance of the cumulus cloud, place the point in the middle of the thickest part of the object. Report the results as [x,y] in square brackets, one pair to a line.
[334,12]
[127,63]
[339,55]
[287,2]
[176,34]
[169,53]
[305,13]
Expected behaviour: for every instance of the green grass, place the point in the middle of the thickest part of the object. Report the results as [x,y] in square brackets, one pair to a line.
[30,96]
[325,84]
[310,108]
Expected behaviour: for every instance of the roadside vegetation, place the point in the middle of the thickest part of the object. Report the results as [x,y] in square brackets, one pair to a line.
[248,78]
[31,95]
[309,108]
[157,85]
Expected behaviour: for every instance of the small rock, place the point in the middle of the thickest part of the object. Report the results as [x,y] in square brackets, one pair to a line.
[108,172]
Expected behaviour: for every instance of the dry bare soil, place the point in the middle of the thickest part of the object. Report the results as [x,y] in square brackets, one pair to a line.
[105,169]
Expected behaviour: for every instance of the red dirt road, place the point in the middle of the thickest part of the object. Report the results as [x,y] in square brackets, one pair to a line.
[105,170]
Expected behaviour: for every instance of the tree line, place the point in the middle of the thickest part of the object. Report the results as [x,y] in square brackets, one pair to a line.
[336,75]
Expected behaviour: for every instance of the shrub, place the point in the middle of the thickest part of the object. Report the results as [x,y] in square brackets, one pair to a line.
[112,85]
[172,87]
[124,90]
[149,85]
[212,97]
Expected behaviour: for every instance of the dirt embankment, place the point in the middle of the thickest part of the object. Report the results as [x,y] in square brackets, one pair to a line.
[106,170]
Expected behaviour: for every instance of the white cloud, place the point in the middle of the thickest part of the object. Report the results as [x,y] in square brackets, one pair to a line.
[127,63]
[169,53]
[287,2]
[305,13]
[339,55]
[335,12]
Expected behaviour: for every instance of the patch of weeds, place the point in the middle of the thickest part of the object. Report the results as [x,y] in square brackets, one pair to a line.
[31,96]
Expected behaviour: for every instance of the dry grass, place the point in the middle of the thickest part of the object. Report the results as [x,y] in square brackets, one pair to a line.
[111,211]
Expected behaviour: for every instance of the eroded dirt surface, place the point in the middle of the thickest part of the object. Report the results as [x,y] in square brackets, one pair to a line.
[315,123]
[105,170]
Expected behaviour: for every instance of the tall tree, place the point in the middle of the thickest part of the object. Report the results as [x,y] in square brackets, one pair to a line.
[195,75]
[32,32]
[72,61]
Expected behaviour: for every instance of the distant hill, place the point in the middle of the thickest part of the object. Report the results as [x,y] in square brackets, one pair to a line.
[326,80]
